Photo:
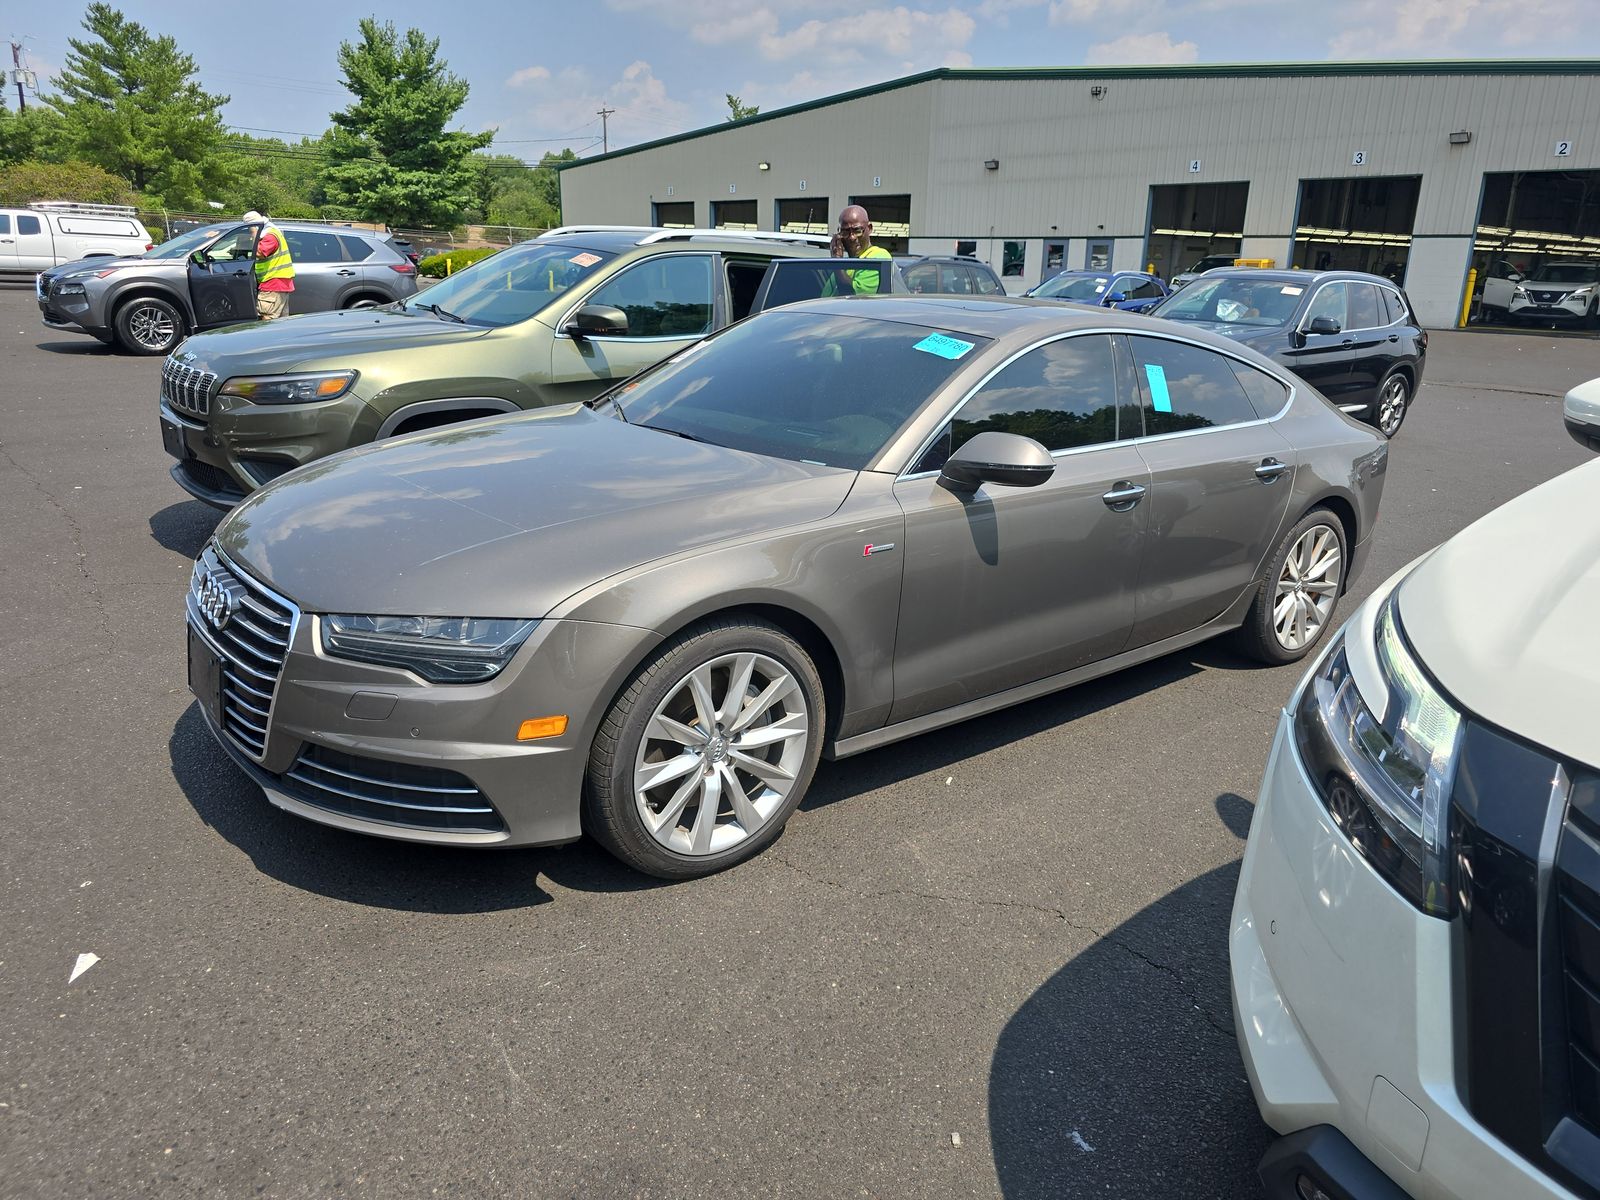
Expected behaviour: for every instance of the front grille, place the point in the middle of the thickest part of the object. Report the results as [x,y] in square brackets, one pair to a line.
[211,479]
[395,793]
[1549,297]
[187,388]
[254,640]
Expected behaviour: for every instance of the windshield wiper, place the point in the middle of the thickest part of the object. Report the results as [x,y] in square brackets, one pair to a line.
[688,437]
[443,312]
[612,400]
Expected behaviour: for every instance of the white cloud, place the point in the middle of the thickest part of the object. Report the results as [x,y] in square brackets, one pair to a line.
[571,99]
[1380,28]
[528,75]
[1142,48]
[1122,12]
[900,31]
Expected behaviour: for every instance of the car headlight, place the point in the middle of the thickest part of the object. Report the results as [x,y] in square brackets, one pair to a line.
[1519,292]
[290,389]
[440,649]
[1582,293]
[71,289]
[1385,780]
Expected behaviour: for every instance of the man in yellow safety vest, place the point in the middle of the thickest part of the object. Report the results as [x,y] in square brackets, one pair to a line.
[853,239]
[274,269]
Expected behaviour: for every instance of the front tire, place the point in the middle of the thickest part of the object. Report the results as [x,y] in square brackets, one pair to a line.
[1392,404]
[707,751]
[1297,592]
[149,325]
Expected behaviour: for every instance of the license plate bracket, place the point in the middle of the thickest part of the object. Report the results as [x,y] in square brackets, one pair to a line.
[172,439]
[205,676]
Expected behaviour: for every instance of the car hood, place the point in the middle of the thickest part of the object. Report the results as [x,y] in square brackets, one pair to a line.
[1502,615]
[263,347]
[508,516]
[1533,281]
[1254,335]
[93,266]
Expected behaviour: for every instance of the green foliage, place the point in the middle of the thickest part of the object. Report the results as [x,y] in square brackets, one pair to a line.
[128,103]
[390,157]
[274,176]
[31,136]
[737,110]
[22,183]
[513,193]
[437,266]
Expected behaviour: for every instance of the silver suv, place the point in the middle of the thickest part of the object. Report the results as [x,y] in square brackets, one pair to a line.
[206,278]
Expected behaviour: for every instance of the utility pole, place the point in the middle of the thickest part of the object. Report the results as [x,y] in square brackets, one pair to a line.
[16,73]
[605,142]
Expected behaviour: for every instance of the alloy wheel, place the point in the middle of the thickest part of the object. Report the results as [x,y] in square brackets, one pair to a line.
[1308,587]
[721,753]
[151,327]
[1392,405]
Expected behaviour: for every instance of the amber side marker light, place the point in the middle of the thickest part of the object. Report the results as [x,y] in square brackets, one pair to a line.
[541,727]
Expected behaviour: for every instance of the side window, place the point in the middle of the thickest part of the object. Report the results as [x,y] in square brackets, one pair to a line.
[1142,289]
[987,284]
[1267,395]
[663,297]
[1186,387]
[5,222]
[955,278]
[314,247]
[1394,306]
[1328,302]
[26,224]
[356,249]
[1366,307]
[240,243]
[1063,395]
[923,277]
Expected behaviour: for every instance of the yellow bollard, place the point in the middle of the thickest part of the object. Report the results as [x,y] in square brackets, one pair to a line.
[1149,268]
[447,265]
[1466,298]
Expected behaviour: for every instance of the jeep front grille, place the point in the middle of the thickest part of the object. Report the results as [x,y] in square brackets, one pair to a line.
[187,388]
[253,640]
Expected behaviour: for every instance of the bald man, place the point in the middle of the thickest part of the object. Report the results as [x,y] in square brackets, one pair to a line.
[853,239]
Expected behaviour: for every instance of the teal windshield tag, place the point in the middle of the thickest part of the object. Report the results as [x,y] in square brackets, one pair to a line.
[1158,387]
[944,347]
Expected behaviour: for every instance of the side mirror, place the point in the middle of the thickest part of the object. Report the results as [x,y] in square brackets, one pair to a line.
[200,258]
[1515,277]
[597,320]
[1323,325]
[1116,298]
[1008,459]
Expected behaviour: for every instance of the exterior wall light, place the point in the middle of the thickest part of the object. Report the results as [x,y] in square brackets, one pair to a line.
[763,166]
[991,164]
[1460,138]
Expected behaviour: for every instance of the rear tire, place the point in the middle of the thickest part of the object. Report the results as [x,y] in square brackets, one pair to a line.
[1392,404]
[1297,592]
[149,325]
[707,751]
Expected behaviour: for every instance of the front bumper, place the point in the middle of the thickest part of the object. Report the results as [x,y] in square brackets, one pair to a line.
[1343,1003]
[403,729]
[73,314]
[1560,310]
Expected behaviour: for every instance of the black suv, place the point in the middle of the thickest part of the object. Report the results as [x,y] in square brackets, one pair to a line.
[1352,336]
[790,281]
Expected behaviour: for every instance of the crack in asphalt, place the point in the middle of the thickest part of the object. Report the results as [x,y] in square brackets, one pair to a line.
[1187,990]
[77,545]
[1491,387]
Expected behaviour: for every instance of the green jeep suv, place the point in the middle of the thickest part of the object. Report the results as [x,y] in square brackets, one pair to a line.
[551,321]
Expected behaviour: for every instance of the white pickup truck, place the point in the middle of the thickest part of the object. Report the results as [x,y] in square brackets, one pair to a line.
[54,232]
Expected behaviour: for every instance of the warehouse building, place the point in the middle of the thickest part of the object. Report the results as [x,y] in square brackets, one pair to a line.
[1416,170]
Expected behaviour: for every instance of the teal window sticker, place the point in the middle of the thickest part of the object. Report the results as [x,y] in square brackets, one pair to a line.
[1159,396]
[944,347]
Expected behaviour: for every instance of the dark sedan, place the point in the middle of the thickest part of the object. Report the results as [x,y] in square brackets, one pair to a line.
[829,527]
[1131,291]
[1352,336]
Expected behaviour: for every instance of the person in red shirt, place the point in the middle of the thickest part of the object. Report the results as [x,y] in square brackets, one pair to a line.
[274,269]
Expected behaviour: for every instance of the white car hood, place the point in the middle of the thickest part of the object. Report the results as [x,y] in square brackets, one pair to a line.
[1503,615]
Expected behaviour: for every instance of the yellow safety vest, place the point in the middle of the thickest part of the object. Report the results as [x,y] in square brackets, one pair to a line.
[867,282]
[278,265]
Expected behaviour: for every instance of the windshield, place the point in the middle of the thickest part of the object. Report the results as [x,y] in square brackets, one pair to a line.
[1234,301]
[1569,273]
[1073,287]
[812,387]
[512,285]
[187,243]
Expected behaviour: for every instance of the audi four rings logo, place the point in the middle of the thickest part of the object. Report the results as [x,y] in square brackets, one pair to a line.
[217,600]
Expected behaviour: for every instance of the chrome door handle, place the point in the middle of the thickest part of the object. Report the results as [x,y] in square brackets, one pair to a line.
[346,271]
[1124,494]
[1270,469]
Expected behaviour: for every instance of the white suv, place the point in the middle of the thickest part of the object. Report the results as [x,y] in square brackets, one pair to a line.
[1415,941]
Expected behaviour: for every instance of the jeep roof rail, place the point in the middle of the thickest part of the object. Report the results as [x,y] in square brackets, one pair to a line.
[74,206]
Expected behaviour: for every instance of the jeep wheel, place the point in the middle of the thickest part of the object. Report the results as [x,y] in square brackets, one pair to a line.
[149,325]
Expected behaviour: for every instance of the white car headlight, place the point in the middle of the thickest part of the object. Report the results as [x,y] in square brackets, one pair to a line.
[290,389]
[440,649]
[1519,292]
[1386,780]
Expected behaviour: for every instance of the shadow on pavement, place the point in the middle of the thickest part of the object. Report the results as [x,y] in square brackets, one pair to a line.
[88,346]
[369,870]
[1120,1077]
[184,527]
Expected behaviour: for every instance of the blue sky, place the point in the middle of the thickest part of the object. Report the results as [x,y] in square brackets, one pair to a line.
[540,71]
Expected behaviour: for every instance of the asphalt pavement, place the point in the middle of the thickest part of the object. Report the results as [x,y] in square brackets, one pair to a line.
[991,961]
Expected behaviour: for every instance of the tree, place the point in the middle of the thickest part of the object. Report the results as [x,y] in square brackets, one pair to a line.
[390,158]
[23,183]
[32,135]
[738,110]
[129,103]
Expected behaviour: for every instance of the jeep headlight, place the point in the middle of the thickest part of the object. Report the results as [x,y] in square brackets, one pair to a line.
[1385,779]
[440,649]
[290,389]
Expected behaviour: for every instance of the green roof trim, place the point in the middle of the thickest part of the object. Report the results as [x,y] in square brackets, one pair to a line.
[1424,66]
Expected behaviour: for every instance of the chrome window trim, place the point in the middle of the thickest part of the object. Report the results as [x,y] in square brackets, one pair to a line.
[710,256]
[1382,287]
[1143,438]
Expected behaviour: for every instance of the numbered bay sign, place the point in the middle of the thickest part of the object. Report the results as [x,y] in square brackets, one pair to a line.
[1358,159]
[1563,149]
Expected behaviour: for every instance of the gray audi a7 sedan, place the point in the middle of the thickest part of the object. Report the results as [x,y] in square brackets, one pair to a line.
[824,529]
